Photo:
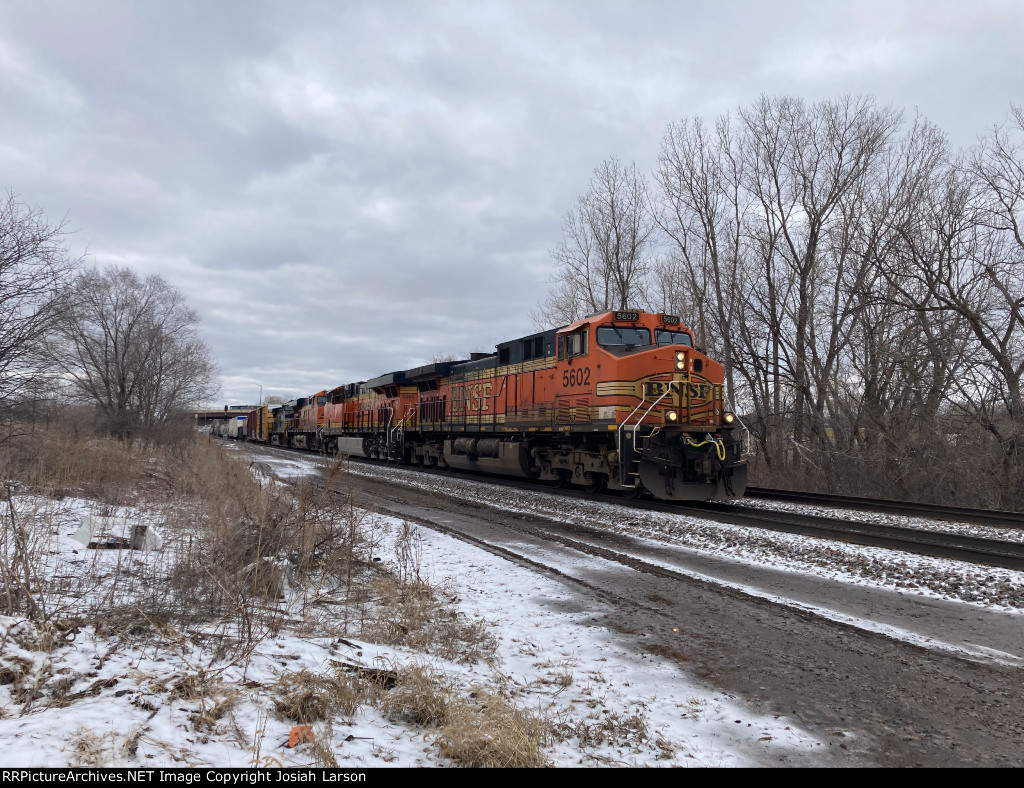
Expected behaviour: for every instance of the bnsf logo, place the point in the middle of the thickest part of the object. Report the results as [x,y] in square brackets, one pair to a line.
[654,389]
[471,398]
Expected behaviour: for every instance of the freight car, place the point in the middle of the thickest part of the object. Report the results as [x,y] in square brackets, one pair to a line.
[621,400]
[233,427]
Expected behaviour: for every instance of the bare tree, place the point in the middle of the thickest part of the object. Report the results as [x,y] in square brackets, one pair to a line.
[997,166]
[35,265]
[764,221]
[603,255]
[131,346]
[862,283]
[964,247]
[701,210]
[811,170]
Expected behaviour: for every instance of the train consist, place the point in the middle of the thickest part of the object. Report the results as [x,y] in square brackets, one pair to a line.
[619,400]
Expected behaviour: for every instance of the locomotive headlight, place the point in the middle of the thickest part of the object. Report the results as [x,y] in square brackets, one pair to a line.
[680,361]
[729,417]
[672,415]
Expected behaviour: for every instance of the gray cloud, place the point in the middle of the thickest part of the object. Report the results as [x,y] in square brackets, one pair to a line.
[343,189]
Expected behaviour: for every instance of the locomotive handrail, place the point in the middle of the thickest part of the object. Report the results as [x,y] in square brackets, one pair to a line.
[668,390]
[625,422]
[400,426]
[748,447]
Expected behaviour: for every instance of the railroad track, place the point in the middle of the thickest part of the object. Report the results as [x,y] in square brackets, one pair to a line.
[937,544]
[997,519]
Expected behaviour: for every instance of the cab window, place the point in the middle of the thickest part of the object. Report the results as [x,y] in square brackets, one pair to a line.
[665,337]
[626,337]
[576,344]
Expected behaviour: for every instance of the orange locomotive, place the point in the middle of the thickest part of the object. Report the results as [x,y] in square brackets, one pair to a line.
[621,400]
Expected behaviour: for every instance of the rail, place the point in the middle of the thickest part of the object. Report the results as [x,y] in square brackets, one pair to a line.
[933,543]
[992,517]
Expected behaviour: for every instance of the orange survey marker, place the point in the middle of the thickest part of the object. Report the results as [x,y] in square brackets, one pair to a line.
[300,734]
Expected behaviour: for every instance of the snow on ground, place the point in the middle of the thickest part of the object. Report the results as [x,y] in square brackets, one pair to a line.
[574,665]
[100,699]
[107,700]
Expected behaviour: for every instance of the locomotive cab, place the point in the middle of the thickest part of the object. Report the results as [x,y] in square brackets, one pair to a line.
[662,400]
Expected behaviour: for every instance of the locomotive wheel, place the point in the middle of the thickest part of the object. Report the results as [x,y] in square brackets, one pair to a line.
[594,485]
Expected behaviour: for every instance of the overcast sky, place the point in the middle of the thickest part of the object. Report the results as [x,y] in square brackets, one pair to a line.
[344,189]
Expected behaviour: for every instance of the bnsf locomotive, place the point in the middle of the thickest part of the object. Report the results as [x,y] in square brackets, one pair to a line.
[618,400]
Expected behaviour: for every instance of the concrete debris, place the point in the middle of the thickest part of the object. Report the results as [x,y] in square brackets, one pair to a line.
[116,533]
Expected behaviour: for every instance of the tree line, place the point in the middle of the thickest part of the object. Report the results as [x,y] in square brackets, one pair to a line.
[129,346]
[861,280]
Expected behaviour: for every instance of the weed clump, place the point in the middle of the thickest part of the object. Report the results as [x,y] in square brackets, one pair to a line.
[475,728]
[420,696]
[417,616]
[485,730]
[305,698]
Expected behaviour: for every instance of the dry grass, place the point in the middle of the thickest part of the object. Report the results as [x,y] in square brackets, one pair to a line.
[213,709]
[475,729]
[20,674]
[193,687]
[305,698]
[320,749]
[420,696]
[418,616]
[130,747]
[484,730]
[604,727]
[211,698]
[235,542]
[91,750]
[41,467]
